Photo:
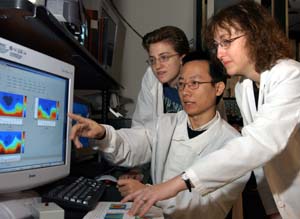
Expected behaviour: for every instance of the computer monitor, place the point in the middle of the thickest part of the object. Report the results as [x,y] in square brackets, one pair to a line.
[36,92]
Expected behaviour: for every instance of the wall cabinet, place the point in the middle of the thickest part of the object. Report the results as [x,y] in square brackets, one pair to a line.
[34,27]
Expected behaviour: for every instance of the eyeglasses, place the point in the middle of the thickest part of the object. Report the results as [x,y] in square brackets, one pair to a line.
[191,84]
[225,44]
[162,58]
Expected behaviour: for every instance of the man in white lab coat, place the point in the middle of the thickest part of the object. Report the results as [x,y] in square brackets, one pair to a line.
[176,141]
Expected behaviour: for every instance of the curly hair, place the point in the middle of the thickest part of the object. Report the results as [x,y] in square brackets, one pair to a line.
[266,42]
[173,35]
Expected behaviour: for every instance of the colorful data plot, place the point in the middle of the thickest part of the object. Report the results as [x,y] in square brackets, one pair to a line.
[114,216]
[47,109]
[117,206]
[118,210]
[13,105]
[12,142]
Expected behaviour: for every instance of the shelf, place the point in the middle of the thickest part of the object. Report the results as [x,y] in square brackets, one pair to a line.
[35,27]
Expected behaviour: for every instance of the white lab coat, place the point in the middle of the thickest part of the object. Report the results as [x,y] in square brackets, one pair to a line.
[150,105]
[150,102]
[171,151]
[270,138]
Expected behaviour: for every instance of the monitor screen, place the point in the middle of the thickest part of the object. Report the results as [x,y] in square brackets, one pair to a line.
[36,92]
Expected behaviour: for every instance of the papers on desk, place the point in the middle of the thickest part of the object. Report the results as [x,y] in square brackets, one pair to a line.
[117,210]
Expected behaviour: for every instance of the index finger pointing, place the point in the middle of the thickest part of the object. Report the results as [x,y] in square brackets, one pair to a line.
[75,117]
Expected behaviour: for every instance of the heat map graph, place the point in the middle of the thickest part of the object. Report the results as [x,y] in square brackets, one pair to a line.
[11,142]
[12,105]
[47,109]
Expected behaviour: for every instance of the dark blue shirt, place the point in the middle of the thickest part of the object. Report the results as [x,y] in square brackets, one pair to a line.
[172,102]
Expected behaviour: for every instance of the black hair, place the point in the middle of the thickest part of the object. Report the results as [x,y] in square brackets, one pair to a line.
[216,69]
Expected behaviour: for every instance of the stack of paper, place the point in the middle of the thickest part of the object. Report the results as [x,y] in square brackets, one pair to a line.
[117,210]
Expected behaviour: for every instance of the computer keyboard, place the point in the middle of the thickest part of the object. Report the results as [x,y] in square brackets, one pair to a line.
[76,193]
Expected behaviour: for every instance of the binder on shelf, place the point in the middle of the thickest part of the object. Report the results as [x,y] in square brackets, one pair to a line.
[92,20]
[101,36]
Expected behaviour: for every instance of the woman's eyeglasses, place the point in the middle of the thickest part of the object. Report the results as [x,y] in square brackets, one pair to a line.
[225,44]
[162,58]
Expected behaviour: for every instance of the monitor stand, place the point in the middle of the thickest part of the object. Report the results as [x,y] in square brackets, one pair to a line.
[18,204]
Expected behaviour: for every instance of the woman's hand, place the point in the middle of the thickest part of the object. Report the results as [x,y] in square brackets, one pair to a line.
[85,128]
[128,186]
[145,198]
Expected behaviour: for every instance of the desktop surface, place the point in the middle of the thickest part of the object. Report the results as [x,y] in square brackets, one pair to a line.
[89,169]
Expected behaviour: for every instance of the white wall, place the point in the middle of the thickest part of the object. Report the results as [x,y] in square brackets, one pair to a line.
[145,16]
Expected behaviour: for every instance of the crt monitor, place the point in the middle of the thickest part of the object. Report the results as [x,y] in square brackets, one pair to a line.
[36,92]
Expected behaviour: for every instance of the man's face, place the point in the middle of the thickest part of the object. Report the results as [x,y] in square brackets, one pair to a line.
[199,101]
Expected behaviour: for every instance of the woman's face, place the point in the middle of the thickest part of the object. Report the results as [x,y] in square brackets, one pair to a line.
[233,53]
[166,62]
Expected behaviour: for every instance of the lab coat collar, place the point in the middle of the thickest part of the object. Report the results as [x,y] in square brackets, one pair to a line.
[247,99]
[157,94]
[203,127]
[212,132]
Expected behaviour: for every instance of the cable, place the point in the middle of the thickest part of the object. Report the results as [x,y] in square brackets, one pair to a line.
[122,17]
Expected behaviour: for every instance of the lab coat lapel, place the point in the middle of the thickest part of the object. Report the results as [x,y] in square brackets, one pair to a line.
[263,90]
[157,94]
[165,126]
[245,99]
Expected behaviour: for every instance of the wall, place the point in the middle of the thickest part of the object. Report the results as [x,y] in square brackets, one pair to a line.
[144,16]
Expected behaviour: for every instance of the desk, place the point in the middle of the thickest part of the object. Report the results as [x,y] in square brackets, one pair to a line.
[90,169]
[19,202]
[111,194]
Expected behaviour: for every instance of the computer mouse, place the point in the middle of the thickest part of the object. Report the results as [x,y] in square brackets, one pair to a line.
[107,178]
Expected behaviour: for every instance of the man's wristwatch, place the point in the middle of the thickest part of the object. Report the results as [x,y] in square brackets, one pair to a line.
[187,181]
